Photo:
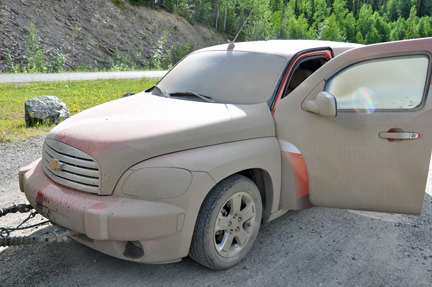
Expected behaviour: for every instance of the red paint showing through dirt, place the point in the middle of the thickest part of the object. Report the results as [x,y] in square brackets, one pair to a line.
[41,197]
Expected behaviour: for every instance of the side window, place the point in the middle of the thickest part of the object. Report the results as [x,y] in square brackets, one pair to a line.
[303,71]
[394,83]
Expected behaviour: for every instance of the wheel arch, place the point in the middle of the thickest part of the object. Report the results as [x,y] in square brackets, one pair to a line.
[258,160]
[263,181]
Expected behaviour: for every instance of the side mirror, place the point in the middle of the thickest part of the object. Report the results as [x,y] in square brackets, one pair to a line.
[324,105]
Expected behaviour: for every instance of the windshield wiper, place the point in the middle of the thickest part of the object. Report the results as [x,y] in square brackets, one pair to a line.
[162,91]
[189,93]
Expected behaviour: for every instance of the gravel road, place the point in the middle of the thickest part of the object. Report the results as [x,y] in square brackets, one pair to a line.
[314,247]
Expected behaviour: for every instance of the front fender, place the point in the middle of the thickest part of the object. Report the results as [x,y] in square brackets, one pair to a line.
[208,166]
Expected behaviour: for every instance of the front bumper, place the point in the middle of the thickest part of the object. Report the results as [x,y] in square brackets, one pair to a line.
[108,223]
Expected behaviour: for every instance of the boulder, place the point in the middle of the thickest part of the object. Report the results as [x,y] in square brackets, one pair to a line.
[45,109]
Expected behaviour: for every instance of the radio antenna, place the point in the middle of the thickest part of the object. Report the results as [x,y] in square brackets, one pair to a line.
[232,45]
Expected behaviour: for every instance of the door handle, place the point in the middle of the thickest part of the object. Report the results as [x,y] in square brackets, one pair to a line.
[399,135]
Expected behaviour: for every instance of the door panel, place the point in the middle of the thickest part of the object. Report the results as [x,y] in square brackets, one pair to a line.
[353,160]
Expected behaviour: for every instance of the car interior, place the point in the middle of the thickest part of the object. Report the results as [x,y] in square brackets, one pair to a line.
[303,70]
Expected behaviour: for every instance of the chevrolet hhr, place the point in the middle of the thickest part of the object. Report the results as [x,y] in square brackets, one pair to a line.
[233,137]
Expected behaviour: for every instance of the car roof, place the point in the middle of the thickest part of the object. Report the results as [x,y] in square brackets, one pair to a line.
[285,48]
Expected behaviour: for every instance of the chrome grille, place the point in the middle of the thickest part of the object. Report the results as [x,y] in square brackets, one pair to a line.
[70,166]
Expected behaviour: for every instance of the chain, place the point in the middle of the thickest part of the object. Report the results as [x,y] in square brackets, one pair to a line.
[5,232]
[54,236]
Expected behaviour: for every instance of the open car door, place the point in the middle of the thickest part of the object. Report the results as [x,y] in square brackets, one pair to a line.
[361,129]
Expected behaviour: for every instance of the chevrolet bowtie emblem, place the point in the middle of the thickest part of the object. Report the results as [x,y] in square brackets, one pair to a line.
[55,164]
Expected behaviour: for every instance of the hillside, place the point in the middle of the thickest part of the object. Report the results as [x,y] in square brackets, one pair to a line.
[87,32]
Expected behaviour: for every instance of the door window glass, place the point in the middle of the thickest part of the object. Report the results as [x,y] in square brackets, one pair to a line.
[395,83]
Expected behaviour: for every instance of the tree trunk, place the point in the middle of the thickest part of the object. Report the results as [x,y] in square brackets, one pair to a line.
[226,12]
[217,16]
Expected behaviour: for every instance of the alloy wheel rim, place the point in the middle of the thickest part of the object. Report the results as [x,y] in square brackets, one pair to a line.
[234,224]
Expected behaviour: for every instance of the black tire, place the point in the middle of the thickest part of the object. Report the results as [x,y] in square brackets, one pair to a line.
[227,224]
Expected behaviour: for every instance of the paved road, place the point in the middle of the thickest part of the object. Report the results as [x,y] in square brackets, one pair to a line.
[23,78]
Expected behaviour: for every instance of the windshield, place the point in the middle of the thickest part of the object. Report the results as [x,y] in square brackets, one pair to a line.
[226,76]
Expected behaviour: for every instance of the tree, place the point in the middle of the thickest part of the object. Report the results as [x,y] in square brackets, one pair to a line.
[392,10]
[329,30]
[404,8]
[322,12]
[362,21]
[398,30]
[297,28]
[365,22]
[412,23]
[350,25]
[169,5]
[260,29]
[277,25]
[424,28]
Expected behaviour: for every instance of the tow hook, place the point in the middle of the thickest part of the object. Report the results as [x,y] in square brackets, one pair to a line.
[57,235]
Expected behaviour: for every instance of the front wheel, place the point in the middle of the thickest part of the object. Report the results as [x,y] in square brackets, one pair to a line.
[227,224]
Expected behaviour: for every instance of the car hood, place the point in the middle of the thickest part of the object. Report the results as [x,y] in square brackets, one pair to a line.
[124,132]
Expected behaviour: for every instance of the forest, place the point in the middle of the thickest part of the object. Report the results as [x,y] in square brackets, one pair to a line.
[359,21]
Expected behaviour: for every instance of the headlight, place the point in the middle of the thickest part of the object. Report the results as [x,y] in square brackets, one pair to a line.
[157,183]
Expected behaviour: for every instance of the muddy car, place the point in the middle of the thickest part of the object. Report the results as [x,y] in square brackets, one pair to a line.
[235,136]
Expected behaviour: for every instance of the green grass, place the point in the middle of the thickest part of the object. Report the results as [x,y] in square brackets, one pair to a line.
[77,96]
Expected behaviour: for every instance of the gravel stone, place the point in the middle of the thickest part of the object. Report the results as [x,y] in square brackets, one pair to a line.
[18,154]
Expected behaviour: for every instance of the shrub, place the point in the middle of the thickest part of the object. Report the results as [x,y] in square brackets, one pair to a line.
[166,57]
